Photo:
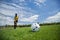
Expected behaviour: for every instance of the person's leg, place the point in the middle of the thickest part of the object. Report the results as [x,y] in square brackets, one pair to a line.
[14,25]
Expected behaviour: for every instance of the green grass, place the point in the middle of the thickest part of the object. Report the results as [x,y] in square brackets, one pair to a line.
[46,32]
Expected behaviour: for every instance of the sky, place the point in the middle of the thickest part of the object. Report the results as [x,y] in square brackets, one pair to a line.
[29,11]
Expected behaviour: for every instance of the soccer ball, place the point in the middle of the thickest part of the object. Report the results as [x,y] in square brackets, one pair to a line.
[35,27]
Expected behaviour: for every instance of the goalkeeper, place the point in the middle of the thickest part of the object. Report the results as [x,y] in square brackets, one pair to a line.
[15,21]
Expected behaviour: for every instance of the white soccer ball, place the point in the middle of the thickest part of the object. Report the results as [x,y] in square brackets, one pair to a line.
[35,27]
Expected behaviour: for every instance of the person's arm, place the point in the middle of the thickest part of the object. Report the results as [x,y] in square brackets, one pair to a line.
[17,19]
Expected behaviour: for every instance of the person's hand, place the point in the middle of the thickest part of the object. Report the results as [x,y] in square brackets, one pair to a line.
[16,20]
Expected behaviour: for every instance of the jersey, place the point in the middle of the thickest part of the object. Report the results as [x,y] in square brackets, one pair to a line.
[16,19]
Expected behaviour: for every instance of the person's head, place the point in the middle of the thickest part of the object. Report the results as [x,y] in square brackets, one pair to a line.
[15,14]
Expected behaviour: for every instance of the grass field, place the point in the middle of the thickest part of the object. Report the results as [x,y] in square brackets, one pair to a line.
[46,32]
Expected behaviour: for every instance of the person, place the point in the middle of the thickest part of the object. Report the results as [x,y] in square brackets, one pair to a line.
[15,21]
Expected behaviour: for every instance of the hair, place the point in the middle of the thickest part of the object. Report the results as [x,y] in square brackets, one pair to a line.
[15,14]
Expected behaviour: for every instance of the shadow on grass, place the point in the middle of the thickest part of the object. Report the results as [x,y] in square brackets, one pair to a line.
[33,31]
